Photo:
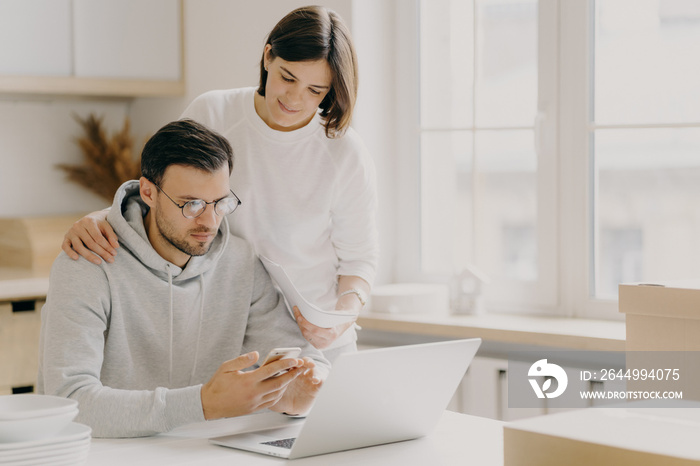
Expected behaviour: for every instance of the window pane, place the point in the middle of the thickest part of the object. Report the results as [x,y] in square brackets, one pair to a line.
[648,206]
[506,91]
[447,64]
[447,199]
[507,203]
[479,194]
[647,61]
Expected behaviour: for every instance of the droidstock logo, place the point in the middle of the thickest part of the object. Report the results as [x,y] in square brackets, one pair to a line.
[542,369]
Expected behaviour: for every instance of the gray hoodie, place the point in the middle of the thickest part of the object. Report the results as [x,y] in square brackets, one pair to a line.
[133,341]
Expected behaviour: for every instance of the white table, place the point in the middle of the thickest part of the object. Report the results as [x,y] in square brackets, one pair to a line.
[458,439]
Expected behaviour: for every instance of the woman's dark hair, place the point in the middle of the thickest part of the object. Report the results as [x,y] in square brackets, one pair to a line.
[314,33]
[184,142]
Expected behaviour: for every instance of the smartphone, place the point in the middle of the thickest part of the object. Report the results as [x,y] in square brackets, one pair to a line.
[281,353]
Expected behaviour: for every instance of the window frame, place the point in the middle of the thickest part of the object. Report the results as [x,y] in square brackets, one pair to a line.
[577,192]
[563,131]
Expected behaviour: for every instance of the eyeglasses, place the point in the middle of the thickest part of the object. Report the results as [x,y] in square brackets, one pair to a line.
[196,207]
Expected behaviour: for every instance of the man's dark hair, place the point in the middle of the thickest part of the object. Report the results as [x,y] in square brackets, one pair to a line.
[184,142]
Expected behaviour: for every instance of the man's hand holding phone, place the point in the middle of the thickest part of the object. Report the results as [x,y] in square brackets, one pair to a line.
[235,391]
[278,354]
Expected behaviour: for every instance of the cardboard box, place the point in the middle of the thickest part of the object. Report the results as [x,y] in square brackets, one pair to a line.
[663,331]
[662,317]
[33,243]
[606,437]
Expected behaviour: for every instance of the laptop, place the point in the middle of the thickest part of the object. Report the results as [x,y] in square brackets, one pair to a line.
[370,397]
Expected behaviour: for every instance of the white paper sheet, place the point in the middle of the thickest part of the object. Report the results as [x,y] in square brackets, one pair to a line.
[315,315]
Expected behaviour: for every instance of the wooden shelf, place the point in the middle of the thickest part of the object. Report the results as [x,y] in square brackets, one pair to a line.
[92,40]
[90,87]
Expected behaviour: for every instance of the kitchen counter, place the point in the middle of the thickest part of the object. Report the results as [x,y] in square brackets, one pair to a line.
[458,439]
[18,284]
[559,332]
[569,333]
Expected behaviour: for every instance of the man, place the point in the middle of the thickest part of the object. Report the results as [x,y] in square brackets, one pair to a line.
[163,336]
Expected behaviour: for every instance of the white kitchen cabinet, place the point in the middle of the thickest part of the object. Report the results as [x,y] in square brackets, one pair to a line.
[126,48]
[36,37]
[484,390]
[128,39]
[20,323]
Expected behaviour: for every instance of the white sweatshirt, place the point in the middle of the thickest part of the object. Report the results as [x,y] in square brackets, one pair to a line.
[308,201]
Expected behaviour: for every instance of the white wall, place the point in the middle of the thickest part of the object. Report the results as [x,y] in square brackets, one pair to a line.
[375,120]
[223,45]
[35,135]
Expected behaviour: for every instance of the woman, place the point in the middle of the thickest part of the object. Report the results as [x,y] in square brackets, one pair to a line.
[304,176]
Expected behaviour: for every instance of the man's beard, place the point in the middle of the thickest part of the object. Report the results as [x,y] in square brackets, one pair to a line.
[181,244]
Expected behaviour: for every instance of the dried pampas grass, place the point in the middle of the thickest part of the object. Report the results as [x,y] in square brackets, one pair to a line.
[108,162]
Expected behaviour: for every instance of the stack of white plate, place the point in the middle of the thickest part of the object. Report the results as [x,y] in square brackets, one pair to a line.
[37,429]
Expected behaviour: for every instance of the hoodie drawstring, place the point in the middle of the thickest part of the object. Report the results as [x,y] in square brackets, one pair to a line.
[199,329]
[170,286]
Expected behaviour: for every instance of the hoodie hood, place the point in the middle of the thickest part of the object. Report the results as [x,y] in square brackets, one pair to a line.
[126,218]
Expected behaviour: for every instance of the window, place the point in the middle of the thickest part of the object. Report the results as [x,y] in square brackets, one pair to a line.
[646,141]
[558,147]
[483,199]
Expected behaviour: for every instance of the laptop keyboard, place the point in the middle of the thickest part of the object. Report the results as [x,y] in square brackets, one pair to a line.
[282,443]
